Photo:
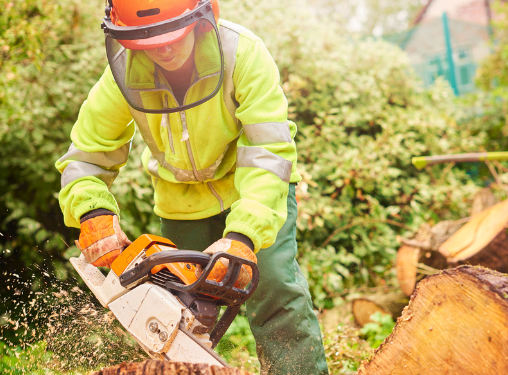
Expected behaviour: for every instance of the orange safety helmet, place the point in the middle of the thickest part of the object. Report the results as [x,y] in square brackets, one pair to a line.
[148,12]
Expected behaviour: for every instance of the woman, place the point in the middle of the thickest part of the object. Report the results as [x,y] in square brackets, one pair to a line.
[206,99]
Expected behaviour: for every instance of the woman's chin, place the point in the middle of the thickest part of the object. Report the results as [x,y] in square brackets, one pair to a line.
[171,65]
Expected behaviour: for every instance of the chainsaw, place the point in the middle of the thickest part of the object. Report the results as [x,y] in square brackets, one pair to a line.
[153,291]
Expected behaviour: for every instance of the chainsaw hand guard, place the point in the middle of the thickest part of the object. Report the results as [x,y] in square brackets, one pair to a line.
[225,290]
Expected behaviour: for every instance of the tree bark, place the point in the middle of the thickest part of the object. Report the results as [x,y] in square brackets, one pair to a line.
[455,324]
[151,367]
[388,303]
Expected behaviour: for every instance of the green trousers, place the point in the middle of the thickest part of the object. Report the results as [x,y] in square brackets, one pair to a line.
[287,333]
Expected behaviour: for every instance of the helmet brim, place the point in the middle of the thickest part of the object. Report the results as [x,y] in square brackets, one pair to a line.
[159,40]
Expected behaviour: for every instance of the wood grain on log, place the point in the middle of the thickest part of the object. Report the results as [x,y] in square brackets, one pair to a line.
[456,324]
[151,367]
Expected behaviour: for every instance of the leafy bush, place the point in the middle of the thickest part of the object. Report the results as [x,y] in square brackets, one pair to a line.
[49,62]
[376,331]
[52,54]
[488,107]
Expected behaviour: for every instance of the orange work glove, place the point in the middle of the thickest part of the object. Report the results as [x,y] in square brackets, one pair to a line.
[219,270]
[101,239]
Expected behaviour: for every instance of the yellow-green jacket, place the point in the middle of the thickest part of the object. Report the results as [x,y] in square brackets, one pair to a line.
[235,150]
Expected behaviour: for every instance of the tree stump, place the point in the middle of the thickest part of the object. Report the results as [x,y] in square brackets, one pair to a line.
[387,303]
[455,324]
[151,367]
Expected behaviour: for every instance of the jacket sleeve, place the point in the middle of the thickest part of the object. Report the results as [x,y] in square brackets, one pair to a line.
[101,140]
[266,154]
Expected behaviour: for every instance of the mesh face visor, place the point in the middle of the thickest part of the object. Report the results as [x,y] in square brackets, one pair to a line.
[168,66]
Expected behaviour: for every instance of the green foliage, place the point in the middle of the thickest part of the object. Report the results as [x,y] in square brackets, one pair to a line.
[378,330]
[488,108]
[238,346]
[52,53]
[47,67]
[17,361]
[345,349]
[492,74]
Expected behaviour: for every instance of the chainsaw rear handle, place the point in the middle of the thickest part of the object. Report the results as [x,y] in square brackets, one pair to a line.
[225,290]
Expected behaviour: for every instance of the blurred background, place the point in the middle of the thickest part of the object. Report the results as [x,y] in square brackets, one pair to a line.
[370,83]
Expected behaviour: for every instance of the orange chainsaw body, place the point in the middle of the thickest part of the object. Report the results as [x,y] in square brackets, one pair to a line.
[152,244]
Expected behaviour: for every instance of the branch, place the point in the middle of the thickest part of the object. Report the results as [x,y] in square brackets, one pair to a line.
[492,170]
[500,166]
[494,173]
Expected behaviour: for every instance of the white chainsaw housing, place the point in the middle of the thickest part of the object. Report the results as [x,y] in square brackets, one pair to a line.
[158,321]
[105,288]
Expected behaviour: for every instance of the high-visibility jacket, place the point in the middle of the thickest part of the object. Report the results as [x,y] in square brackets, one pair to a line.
[235,150]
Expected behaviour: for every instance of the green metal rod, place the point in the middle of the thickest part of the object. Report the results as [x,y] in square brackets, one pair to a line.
[421,162]
[449,55]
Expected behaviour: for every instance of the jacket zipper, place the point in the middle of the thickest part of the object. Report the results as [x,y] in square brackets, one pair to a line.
[165,123]
[186,138]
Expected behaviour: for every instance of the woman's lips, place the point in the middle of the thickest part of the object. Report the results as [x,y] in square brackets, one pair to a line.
[168,59]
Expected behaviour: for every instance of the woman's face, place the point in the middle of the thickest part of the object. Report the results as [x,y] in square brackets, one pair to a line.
[173,56]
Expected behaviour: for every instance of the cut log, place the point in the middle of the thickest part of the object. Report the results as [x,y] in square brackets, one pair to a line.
[413,263]
[151,367]
[388,303]
[455,324]
[405,265]
[482,240]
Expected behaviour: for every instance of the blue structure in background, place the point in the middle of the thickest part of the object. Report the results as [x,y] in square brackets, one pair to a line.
[449,55]
[449,39]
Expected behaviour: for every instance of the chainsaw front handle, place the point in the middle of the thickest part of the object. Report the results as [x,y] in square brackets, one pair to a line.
[225,290]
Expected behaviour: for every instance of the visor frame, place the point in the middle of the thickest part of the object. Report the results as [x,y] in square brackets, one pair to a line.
[182,22]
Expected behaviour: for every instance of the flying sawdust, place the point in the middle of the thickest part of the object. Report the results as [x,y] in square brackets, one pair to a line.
[74,331]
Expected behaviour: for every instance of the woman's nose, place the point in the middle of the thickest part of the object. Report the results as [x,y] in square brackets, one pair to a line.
[163,50]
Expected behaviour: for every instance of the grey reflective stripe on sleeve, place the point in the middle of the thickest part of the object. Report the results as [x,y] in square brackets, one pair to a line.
[257,157]
[267,132]
[107,159]
[79,169]
[229,36]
